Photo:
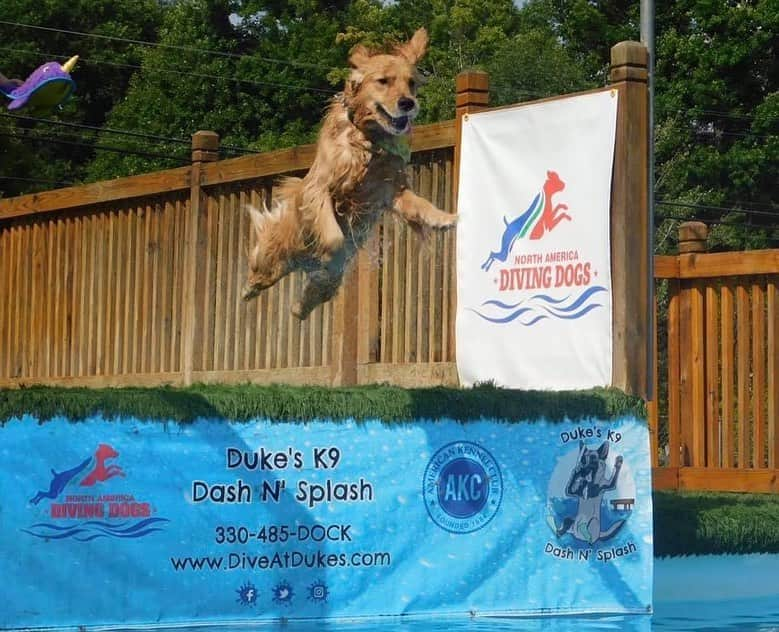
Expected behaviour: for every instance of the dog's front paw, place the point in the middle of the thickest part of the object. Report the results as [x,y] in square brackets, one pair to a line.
[298,311]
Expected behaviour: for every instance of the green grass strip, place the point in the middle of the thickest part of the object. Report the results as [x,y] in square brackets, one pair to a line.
[288,403]
[707,523]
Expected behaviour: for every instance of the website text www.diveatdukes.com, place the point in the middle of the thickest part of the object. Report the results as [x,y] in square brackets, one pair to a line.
[288,559]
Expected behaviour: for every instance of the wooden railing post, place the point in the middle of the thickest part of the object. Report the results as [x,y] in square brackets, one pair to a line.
[472,94]
[631,267]
[345,329]
[692,341]
[205,148]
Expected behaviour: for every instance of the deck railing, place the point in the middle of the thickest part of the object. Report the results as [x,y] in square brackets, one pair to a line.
[717,418]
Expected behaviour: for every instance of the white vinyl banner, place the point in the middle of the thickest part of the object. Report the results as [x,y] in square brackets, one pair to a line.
[533,254]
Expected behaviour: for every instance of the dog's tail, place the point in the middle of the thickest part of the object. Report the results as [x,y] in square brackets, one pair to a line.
[612,530]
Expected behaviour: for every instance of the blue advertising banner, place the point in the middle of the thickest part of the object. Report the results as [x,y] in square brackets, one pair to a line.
[127,522]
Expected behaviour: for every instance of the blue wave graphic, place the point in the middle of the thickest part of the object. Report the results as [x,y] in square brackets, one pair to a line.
[578,302]
[540,307]
[503,305]
[546,298]
[92,529]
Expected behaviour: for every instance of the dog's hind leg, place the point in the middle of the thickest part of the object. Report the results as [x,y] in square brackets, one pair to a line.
[417,210]
[321,286]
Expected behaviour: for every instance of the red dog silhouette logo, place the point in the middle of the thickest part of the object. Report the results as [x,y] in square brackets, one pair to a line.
[100,472]
[549,215]
[541,217]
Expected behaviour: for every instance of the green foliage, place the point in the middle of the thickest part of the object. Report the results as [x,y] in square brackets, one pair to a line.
[531,65]
[717,101]
[99,86]
[715,523]
[718,115]
[287,403]
[166,99]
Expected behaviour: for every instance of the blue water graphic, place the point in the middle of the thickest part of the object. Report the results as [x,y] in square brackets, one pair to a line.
[540,307]
[93,529]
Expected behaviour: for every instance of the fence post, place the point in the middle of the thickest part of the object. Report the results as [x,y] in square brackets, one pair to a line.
[630,262]
[345,329]
[472,94]
[692,341]
[205,148]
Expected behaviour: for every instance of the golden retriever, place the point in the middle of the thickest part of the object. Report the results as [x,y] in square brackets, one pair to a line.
[317,223]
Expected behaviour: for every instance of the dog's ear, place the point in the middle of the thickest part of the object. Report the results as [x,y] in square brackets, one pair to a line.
[256,217]
[416,47]
[359,57]
[603,450]
[353,83]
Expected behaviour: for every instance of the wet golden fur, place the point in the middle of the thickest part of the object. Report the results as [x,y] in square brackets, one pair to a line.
[318,222]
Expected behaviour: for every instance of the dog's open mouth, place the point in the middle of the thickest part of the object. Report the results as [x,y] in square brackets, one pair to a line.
[398,124]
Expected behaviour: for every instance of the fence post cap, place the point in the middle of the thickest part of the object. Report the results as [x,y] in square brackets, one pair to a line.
[205,146]
[693,237]
[629,53]
[472,80]
[205,139]
[629,62]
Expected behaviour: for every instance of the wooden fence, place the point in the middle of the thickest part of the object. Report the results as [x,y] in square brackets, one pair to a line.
[718,361]
[138,280]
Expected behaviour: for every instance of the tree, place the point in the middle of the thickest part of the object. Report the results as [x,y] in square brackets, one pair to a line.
[178,89]
[718,118]
[27,149]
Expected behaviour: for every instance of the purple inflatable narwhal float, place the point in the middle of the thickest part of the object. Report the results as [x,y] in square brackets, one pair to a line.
[47,87]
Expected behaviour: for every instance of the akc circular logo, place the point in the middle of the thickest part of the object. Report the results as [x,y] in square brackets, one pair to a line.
[462,487]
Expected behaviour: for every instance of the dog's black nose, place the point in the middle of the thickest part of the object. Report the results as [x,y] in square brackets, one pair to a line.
[406,104]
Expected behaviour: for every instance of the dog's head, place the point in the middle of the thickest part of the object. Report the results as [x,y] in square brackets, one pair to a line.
[590,467]
[381,91]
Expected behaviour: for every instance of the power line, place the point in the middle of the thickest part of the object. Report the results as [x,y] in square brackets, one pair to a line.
[723,114]
[716,132]
[712,133]
[191,49]
[771,205]
[172,72]
[110,130]
[110,148]
[39,180]
[708,207]
[89,139]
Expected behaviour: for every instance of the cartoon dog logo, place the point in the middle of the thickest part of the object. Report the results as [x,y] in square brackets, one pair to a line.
[99,473]
[587,483]
[541,217]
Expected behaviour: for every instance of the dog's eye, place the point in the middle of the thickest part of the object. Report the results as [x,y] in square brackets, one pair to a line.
[383,81]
